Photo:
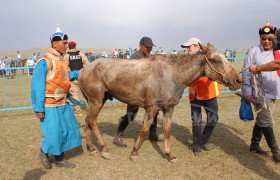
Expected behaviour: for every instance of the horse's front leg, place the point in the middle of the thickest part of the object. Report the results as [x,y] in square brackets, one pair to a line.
[167,116]
[148,120]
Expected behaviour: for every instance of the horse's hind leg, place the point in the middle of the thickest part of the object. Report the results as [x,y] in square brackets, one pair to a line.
[148,120]
[167,115]
[94,109]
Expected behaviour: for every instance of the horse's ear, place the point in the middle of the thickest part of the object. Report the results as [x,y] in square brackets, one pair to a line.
[203,48]
[209,45]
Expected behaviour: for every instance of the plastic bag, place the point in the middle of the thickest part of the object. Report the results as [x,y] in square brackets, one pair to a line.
[245,111]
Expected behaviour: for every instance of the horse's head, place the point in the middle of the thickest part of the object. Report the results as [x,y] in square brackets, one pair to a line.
[218,68]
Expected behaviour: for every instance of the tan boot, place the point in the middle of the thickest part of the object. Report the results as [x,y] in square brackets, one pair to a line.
[44,159]
[65,164]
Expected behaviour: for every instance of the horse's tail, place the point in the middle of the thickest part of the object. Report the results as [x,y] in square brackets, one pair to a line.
[82,95]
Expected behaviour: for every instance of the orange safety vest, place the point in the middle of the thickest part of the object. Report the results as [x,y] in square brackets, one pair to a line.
[57,82]
[204,89]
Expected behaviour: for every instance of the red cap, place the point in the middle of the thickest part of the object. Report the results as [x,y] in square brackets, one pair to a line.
[72,43]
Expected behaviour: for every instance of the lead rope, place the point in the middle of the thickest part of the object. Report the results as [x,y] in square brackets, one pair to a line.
[257,92]
[263,93]
[222,74]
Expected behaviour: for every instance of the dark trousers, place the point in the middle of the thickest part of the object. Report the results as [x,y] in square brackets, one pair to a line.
[130,115]
[211,108]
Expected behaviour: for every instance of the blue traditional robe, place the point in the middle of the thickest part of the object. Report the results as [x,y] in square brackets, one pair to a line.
[59,126]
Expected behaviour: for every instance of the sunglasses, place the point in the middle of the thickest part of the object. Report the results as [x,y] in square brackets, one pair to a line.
[266,38]
[59,36]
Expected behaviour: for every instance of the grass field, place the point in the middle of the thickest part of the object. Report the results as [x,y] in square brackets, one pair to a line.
[230,159]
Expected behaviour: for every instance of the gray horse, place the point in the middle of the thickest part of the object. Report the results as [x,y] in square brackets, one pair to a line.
[155,83]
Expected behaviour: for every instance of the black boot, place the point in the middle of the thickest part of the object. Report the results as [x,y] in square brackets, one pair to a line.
[129,116]
[197,142]
[206,134]
[153,131]
[255,141]
[60,161]
[118,140]
[271,142]
[45,159]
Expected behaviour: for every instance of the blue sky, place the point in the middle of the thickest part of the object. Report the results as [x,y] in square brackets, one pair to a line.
[28,24]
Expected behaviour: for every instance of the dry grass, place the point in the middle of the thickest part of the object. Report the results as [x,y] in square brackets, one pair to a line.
[21,136]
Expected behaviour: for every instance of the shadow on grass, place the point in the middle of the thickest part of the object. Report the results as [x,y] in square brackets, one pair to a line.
[133,130]
[226,138]
[34,174]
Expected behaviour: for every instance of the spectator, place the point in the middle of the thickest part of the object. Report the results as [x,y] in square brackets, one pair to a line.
[49,89]
[202,93]
[30,65]
[38,55]
[8,65]
[127,56]
[121,54]
[76,60]
[234,53]
[231,56]
[116,53]
[34,57]
[227,54]
[146,46]
[2,66]
[265,103]
[104,55]
[18,60]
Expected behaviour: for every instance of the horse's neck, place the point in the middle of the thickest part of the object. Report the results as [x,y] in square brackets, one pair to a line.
[191,70]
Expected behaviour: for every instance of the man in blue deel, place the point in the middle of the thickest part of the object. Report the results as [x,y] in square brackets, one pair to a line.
[49,89]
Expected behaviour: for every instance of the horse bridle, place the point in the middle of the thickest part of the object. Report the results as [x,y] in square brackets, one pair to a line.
[220,73]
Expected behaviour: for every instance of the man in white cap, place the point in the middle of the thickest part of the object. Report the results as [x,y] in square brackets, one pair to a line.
[202,93]
[192,44]
[49,89]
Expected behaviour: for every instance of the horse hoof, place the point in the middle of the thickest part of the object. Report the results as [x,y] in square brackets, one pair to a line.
[93,153]
[105,155]
[133,158]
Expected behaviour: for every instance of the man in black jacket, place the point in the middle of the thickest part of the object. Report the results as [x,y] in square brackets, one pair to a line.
[146,46]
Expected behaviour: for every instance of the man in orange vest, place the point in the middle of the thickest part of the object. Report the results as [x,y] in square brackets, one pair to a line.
[49,89]
[202,93]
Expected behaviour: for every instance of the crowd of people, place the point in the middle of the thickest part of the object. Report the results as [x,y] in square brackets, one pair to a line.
[7,62]
[230,54]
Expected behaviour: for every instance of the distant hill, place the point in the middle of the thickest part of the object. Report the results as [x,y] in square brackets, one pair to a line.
[29,52]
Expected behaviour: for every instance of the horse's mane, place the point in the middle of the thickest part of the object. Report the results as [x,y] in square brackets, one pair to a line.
[180,58]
